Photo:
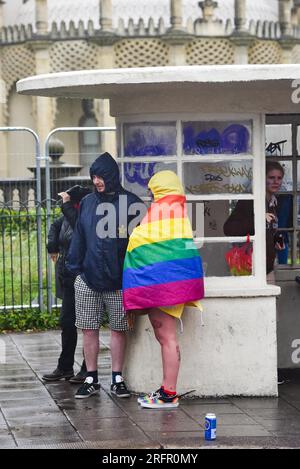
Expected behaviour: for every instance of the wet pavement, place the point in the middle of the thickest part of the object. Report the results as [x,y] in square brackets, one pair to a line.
[35,414]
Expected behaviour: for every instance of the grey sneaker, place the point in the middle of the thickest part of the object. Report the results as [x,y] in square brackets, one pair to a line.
[119,388]
[87,389]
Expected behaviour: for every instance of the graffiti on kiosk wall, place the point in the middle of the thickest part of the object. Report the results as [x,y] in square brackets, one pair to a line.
[271,148]
[147,139]
[150,139]
[159,139]
[139,173]
[214,178]
[212,222]
[234,139]
[219,178]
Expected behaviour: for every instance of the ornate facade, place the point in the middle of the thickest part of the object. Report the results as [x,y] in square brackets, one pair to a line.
[44,36]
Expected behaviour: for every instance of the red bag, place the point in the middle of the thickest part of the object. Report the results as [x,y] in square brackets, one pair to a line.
[239,259]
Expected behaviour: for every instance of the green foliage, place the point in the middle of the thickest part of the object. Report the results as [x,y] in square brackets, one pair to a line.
[28,320]
[19,256]
[16,221]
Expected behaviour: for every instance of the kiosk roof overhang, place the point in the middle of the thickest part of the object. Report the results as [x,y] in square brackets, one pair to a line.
[269,86]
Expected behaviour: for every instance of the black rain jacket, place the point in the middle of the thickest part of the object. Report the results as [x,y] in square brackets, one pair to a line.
[102,230]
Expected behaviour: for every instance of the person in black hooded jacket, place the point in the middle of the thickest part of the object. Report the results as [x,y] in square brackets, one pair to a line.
[96,256]
[59,240]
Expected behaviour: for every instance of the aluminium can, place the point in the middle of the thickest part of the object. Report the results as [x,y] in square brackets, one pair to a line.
[210,427]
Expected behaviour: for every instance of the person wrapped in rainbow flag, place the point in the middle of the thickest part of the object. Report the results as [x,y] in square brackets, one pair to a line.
[163,274]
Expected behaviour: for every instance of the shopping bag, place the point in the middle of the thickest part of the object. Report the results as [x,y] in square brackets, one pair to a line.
[239,259]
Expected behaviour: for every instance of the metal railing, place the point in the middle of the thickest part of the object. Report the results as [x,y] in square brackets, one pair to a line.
[38,202]
[26,273]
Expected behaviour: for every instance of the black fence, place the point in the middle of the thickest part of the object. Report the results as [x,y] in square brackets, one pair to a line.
[24,273]
[20,258]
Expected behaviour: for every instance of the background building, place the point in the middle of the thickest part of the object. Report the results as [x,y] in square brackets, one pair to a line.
[44,36]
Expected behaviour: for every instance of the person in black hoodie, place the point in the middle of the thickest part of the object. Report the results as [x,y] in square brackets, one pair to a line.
[59,239]
[96,257]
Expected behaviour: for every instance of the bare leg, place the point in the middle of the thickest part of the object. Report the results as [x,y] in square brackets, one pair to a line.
[91,348]
[117,349]
[164,327]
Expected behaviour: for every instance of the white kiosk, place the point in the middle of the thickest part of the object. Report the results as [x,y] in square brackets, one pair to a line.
[208,124]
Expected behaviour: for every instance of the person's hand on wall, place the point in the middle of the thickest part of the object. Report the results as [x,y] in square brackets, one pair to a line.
[65,197]
[54,257]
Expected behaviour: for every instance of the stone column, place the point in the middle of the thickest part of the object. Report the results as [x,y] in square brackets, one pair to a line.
[1,13]
[240,15]
[106,15]
[106,59]
[176,14]
[287,41]
[176,37]
[241,37]
[285,17]
[3,122]
[41,17]
[287,47]
[3,110]
[106,37]
[43,106]
[296,14]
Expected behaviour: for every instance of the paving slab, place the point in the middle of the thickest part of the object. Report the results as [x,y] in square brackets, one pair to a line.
[198,411]
[7,442]
[35,414]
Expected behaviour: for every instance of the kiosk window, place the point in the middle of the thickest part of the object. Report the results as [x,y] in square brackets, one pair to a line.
[283,145]
[150,139]
[215,162]
[206,138]
[221,177]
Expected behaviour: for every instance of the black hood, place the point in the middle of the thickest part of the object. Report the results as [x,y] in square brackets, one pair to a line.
[105,166]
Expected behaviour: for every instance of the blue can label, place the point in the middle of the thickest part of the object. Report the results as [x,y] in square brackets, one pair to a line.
[210,427]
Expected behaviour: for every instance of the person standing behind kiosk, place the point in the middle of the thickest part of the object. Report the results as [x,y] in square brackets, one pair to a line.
[241,220]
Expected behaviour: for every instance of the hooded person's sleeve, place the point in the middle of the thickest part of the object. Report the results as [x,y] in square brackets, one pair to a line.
[53,236]
[77,248]
[70,212]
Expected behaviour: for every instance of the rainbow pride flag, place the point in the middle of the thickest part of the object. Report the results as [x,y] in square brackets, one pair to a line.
[162,264]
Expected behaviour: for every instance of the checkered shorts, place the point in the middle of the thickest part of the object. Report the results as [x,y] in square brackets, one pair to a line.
[91,306]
